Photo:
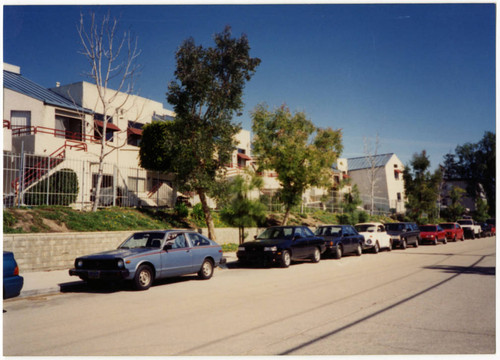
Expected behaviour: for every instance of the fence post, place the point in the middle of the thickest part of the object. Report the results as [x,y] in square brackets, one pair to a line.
[83,184]
[48,182]
[115,174]
[20,199]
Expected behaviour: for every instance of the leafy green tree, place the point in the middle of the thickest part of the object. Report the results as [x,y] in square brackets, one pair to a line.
[284,142]
[206,94]
[352,200]
[61,188]
[481,213]
[455,210]
[421,187]
[241,211]
[475,163]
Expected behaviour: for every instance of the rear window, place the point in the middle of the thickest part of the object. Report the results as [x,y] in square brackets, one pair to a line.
[448,226]
[394,227]
[428,228]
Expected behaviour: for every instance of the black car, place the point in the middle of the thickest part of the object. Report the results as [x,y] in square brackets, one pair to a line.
[403,234]
[341,239]
[281,245]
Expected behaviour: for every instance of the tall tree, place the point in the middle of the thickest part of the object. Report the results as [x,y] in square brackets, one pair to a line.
[284,142]
[206,94]
[455,210]
[371,153]
[476,164]
[112,60]
[421,187]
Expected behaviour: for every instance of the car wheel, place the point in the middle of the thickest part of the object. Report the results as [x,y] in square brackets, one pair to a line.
[207,270]
[390,246]
[455,238]
[143,278]
[435,242]
[463,237]
[359,250]
[338,252]
[376,248]
[417,242]
[445,241]
[403,244]
[316,256]
[286,259]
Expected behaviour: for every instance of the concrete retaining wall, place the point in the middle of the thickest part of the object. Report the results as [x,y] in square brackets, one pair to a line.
[57,251]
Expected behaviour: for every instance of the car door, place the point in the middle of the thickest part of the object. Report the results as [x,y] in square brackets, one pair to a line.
[299,244]
[199,249]
[312,240]
[176,257]
[346,239]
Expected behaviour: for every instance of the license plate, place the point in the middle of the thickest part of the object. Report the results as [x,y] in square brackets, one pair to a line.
[94,274]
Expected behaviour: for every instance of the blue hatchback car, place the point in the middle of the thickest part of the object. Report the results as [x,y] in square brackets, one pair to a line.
[150,255]
[12,282]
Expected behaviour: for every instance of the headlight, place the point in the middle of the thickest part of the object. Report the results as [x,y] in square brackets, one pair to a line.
[270,248]
[368,242]
[241,248]
[120,263]
[79,263]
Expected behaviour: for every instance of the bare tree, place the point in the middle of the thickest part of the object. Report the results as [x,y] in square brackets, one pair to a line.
[371,152]
[113,62]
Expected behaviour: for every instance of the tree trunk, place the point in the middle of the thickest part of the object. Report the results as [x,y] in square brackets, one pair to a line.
[287,215]
[208,215]
[242,234]
[99,176]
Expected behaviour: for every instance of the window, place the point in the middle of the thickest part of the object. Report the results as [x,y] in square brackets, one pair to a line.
[136,184]
[134,133]
[308,232]
[20,119]
[69,125]
[198,240]
[398,196]
[99,124]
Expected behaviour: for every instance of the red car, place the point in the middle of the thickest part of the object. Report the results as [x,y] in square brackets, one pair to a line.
[453,231]
[432,234]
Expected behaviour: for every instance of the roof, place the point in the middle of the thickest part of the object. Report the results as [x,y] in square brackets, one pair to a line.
[20,84]
[363,162]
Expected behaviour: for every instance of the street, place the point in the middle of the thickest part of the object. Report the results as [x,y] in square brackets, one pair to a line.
[426,300]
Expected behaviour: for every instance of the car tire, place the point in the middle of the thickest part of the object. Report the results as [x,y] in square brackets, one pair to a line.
[390,246]
[435,241]
[417,242]
[206,270]
[455,238]
[316,256]
[403,244]
[143,278]
[359,250]
[286,259]
[376,248]
[445,241]
[338,252]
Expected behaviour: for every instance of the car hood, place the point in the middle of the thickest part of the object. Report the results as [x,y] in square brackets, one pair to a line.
[120,253]
[257,244]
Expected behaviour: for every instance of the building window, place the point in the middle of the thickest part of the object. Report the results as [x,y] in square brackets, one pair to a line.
[396,174]
[136,184]
[69,125]
[99,125]
[134,133]
[399,196]
[21,121]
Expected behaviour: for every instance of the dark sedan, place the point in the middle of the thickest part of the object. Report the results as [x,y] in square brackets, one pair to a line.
[341,239]
[281,245]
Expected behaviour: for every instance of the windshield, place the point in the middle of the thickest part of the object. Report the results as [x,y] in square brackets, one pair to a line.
[366,228]
[394,227]
[447,226]
[329,231]
[276,233]
[143,240]
[427,228]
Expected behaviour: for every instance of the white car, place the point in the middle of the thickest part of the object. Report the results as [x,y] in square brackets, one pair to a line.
[376,237]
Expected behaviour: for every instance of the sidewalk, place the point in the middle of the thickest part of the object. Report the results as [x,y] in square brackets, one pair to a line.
[52,282]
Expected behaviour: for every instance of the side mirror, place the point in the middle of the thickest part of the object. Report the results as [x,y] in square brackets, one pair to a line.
[255,237]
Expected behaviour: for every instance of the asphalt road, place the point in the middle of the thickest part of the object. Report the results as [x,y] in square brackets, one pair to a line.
[426,300]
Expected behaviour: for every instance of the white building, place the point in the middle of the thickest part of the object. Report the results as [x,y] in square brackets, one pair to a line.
[389,185]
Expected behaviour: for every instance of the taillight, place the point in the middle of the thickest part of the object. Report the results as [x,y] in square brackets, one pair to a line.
[16,271]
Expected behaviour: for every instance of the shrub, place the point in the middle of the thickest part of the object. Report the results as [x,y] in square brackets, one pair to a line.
[61,187]
[181,210]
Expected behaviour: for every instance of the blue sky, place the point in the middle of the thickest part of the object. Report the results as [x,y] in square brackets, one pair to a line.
[422,77]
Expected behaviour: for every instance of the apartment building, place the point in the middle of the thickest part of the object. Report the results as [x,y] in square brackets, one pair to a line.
[388,181]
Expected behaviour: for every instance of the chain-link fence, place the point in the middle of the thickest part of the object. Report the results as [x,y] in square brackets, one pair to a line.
[30,180]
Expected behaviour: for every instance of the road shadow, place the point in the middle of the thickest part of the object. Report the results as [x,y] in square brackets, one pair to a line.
[109,287]
[257,265]
[475,270]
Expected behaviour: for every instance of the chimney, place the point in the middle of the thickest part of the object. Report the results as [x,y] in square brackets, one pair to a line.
[58,84]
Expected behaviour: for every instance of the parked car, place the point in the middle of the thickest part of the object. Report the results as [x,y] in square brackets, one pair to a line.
[281,245]
[485,230]
[341,240]
[403,234]
[376,237]
[150,255]
[453,231]
[471,229]
[12,282]
[433,234]
[492,224]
